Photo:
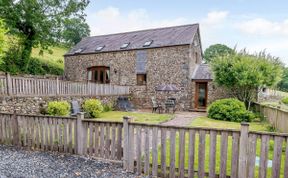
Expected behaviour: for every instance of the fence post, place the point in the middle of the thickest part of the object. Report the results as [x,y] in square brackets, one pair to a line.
[9,84]
[243,150]
[80,134]
[126,142]
[57,86]
[15,129]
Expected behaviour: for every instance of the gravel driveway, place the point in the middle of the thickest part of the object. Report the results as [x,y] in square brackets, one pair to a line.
[21,163]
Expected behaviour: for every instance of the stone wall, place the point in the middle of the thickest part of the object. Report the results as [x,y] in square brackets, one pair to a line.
[167,65]
[31,105]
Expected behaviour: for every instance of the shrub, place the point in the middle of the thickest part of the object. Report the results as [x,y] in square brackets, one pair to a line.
[58,108]
[285,100]
[229,110]
[93,107]
[108,107]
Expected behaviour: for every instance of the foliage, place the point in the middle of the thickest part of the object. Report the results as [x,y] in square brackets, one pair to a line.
[11,63]
[216,50]
[3,31]
[108,107]
[93,107]
[283,84]
[58,108]
[55,58]
[74,30]
[39,23]
[243,75]
[271,128]
[285,100]
[229,110]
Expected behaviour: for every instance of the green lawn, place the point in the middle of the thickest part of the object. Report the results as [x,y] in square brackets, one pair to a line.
[142,117]
[211,123]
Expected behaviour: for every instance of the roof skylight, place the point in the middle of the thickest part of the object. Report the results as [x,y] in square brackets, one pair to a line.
[99,48]
[124,45]
[148,43]
[78,51]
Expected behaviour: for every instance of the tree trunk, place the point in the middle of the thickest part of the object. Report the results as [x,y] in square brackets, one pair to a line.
[26,53]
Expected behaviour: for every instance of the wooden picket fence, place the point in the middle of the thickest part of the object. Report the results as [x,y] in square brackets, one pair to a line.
[63,134]
[157,150]
[276,116]
[171,151]
[25,86]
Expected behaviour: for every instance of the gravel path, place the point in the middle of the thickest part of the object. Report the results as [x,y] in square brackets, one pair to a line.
[21,163]
[184,118]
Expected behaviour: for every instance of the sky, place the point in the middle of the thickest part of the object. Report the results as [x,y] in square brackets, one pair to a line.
[256,25]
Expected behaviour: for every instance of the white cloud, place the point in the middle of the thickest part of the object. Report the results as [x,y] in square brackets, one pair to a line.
[108,13]
[112,20]
[263,26]
[215,17]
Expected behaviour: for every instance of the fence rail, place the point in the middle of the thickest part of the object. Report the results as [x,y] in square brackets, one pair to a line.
[157,150]
[24,86]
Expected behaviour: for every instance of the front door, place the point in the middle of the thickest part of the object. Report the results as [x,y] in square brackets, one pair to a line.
[201,95]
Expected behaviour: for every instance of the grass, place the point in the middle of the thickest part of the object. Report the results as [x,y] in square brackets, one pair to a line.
[139,117]
[211,123]
[206,122]
[56,58]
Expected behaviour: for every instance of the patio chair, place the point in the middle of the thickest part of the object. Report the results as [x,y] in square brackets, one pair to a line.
[75,108]
[170,103]
[156,106]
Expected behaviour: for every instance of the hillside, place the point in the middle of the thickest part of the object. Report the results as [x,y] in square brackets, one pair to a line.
[56,58]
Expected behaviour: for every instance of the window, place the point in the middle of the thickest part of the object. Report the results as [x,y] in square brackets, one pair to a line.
[78,51]
[99,48]
[147,43]
[99,74]
[125,45]
[141,79]
[196,58]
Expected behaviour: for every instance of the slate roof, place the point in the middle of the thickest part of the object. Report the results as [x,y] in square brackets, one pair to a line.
[168,36]
[202,72]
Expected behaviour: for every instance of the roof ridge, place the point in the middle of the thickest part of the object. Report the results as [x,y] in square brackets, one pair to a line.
[160,28]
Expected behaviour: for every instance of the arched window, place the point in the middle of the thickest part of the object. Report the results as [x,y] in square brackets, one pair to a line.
[99,74]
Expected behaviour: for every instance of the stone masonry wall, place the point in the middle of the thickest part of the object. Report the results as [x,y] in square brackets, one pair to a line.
[31,105]
[166,65]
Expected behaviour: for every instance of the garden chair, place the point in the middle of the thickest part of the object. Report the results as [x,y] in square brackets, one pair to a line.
[75,108]
[156,106]
[170,103]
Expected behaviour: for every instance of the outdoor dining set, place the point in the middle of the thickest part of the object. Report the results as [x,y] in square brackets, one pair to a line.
[169,104]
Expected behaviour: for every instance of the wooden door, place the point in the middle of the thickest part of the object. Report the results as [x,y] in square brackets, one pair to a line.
[201,95]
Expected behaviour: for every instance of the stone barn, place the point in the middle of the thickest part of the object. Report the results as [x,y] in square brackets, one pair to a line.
[144,60]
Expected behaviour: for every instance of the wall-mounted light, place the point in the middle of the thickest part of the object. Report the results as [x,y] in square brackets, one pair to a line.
[115,71]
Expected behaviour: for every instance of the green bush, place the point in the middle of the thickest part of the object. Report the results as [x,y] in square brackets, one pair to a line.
[93,107]
[229,110]
[285,100]
[108,107]
[58,108]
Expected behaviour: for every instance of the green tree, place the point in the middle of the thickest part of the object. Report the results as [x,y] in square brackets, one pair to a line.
[243,75]
[216,50]
[283,84]
[74,30]
[38,23]
[3,31]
